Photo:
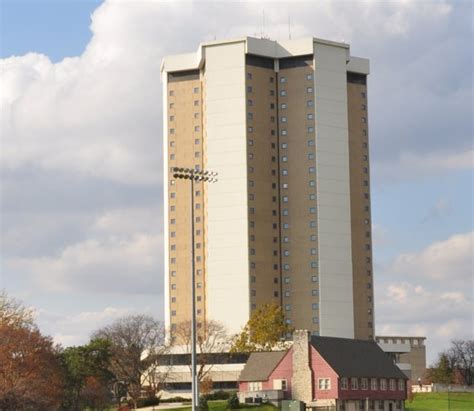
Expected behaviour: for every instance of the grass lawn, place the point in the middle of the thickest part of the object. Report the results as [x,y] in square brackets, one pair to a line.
[221,406]
[438,401]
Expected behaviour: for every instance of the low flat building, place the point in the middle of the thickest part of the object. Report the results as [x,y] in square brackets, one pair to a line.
[408,353]
[340,373]
[223,369]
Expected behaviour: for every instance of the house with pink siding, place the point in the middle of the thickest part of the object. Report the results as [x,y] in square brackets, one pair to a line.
[339,373]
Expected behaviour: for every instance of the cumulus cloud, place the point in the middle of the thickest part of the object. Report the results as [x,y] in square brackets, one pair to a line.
[449,259]
[75,329]
[429,293]
[81,138]
[119,258]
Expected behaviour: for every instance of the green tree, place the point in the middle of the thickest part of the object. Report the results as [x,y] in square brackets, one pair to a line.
[442,371]
[87,376]
[263,332]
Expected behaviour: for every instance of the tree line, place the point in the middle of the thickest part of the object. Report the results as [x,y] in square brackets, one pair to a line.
[124,360]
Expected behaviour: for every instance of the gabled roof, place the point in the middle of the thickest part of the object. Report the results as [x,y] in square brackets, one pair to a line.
[260,365]
[356,358]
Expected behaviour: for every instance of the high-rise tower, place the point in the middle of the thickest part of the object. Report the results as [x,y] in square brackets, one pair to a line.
[285,126]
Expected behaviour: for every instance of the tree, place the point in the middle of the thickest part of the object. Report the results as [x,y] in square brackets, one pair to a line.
[14,313]
[211,338]
[264,330]
[442,371]
[132,338]
[454,365]
[461,358]
[30,374]
[87,375]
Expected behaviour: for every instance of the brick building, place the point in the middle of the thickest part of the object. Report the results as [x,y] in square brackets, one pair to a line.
[343,374]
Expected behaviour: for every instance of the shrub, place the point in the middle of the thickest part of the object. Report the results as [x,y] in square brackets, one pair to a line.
[218,395]
[176,399]
[203,406]
[147,402]
[233,402]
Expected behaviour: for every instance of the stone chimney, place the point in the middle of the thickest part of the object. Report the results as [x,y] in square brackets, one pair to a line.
[301,380]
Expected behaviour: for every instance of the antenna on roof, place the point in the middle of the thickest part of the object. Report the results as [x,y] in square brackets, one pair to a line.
[263,24]
[289,27]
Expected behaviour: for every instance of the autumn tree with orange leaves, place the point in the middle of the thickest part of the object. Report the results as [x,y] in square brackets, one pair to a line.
[30,375]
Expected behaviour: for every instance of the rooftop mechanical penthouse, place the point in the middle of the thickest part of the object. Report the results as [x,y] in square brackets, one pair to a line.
[285,125]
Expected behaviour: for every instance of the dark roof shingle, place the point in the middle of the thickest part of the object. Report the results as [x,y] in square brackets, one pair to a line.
[356,358]
[260,365]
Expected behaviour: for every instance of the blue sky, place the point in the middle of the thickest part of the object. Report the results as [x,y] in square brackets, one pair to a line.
[81,152]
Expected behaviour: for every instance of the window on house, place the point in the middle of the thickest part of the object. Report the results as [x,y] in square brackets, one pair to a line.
[284,145]
[315,306]
[284,132]
[314,292]
[249,89]
[383,384]
[282,79]
[196,102]
[354,384]
[310,143]
[373,384]
[324,383]
[171,105]
[309,90]
[286,280]
[284,119]
[283,106]
[287,293]
[282,93]
[344,384]
[249,76]
[309,76]
[364,384]
[310,103]
[196,115]
[310,116]
[392,385]
[401,385]
[284,159]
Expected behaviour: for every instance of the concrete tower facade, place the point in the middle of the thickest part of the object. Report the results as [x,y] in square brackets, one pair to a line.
[285,126]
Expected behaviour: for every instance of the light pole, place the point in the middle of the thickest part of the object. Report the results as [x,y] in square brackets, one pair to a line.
[193,175]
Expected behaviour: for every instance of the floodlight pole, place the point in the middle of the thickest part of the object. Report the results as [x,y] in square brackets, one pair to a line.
[209,177]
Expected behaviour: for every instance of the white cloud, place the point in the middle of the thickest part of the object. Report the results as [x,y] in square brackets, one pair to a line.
[428,293]
[411,165]
[75,329]
[449,259]
[121,254]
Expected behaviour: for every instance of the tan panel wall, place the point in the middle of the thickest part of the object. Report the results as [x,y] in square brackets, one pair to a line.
[417,359]
[263,217]
[360,211]
[185,149]
[298,191]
